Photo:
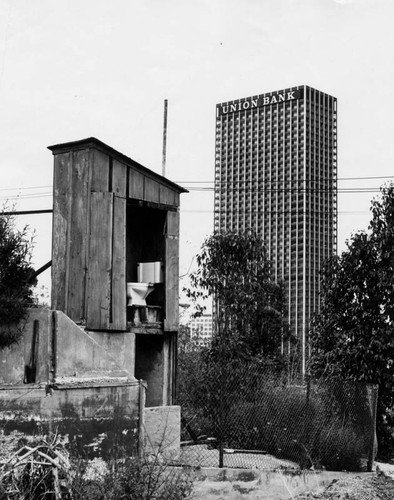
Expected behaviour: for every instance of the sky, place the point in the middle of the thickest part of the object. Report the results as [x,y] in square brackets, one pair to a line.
[80,68]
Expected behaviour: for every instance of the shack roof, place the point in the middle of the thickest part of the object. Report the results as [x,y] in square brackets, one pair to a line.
[92,142]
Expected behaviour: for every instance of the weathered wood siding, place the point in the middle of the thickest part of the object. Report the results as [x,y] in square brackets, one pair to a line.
[60,231]
[172,272]
[89,261]
[166,196]
[152,190]
[136,185]
[79,207]
[119,178]
[118,298]
[99,166]
[100,261]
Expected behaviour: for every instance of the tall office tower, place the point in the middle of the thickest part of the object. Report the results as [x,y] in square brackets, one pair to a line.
[276,173]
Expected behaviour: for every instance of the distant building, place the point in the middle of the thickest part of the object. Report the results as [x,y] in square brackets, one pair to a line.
[201,329]
[276,173]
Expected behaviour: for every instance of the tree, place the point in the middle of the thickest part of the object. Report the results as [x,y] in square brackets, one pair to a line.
[353,335]
[15,270]
[248,313]
[249,331]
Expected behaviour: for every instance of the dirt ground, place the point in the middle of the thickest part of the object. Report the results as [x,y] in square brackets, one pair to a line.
[364,487]
[379,487]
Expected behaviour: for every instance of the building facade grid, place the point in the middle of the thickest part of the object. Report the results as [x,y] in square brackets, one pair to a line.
[276,174]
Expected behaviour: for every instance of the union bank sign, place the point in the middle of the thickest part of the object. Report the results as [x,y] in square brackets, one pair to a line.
[260,101]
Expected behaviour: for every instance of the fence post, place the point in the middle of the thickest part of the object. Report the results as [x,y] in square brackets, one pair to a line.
[373,402]
[141,425]
[221,455]
[306,426]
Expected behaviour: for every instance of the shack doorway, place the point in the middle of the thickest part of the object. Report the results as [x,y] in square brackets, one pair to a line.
[149,366]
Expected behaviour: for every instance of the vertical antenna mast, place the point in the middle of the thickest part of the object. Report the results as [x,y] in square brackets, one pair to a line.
[164,138]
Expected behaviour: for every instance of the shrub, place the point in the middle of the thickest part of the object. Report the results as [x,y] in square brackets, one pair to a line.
[46,470]
[325,424]
[338,447]
[15,270]
[134,479]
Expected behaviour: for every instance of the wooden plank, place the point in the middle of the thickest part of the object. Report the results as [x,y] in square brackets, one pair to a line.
[99,262]
[119,320]
[99,166]
[119,178]
[78,236]
[60,233]
[152,190]
[136,185]
[172,223]
[166,195]
[172,272]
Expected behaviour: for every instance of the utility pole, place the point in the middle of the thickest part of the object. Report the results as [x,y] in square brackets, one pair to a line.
[163,171]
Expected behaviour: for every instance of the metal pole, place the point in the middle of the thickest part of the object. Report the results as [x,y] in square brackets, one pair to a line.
[164,138]
[27,212]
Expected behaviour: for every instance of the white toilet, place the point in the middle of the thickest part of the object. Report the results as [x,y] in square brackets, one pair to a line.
[137,293]
[148,273]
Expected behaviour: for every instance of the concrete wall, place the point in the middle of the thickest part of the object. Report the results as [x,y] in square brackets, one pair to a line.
[64,350]
[14,359]
[85,412]
[83,383]
[162,431]
[91,354]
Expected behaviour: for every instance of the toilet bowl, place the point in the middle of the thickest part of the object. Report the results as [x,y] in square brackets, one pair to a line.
[137,293]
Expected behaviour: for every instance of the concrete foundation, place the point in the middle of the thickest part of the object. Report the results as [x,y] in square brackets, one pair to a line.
[63,379]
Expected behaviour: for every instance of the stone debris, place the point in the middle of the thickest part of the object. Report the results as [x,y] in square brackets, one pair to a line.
[377,487]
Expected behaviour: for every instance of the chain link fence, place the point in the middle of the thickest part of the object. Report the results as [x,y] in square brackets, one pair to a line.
[241,415]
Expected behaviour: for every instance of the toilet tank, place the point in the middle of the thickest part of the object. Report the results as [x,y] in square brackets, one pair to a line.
[150,272]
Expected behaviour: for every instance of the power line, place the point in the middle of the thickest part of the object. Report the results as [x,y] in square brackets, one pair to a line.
[186,182]
[31,196]
[29,187]
[293,189]
[286,190]
[339,179]
[235,189]
[295,212]
[274,212]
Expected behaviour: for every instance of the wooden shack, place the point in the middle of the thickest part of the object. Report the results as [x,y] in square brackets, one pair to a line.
[109,214]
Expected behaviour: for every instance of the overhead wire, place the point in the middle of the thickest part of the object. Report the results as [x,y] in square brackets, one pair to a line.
[198,186]
[360,178]
[357,178]
[301,189]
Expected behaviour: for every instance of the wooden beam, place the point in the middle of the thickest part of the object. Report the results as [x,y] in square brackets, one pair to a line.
[100,261]
[172,272]
[118,296]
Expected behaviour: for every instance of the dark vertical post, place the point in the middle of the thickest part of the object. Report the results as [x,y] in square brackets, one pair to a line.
[141,422]
[373,401]
[164,138]
[31,368]
[221,454]
[307,422]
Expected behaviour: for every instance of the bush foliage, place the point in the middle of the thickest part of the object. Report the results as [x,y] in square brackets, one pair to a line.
[248,306]
[15,271]
[250,407]
[46,469]
[352,336]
